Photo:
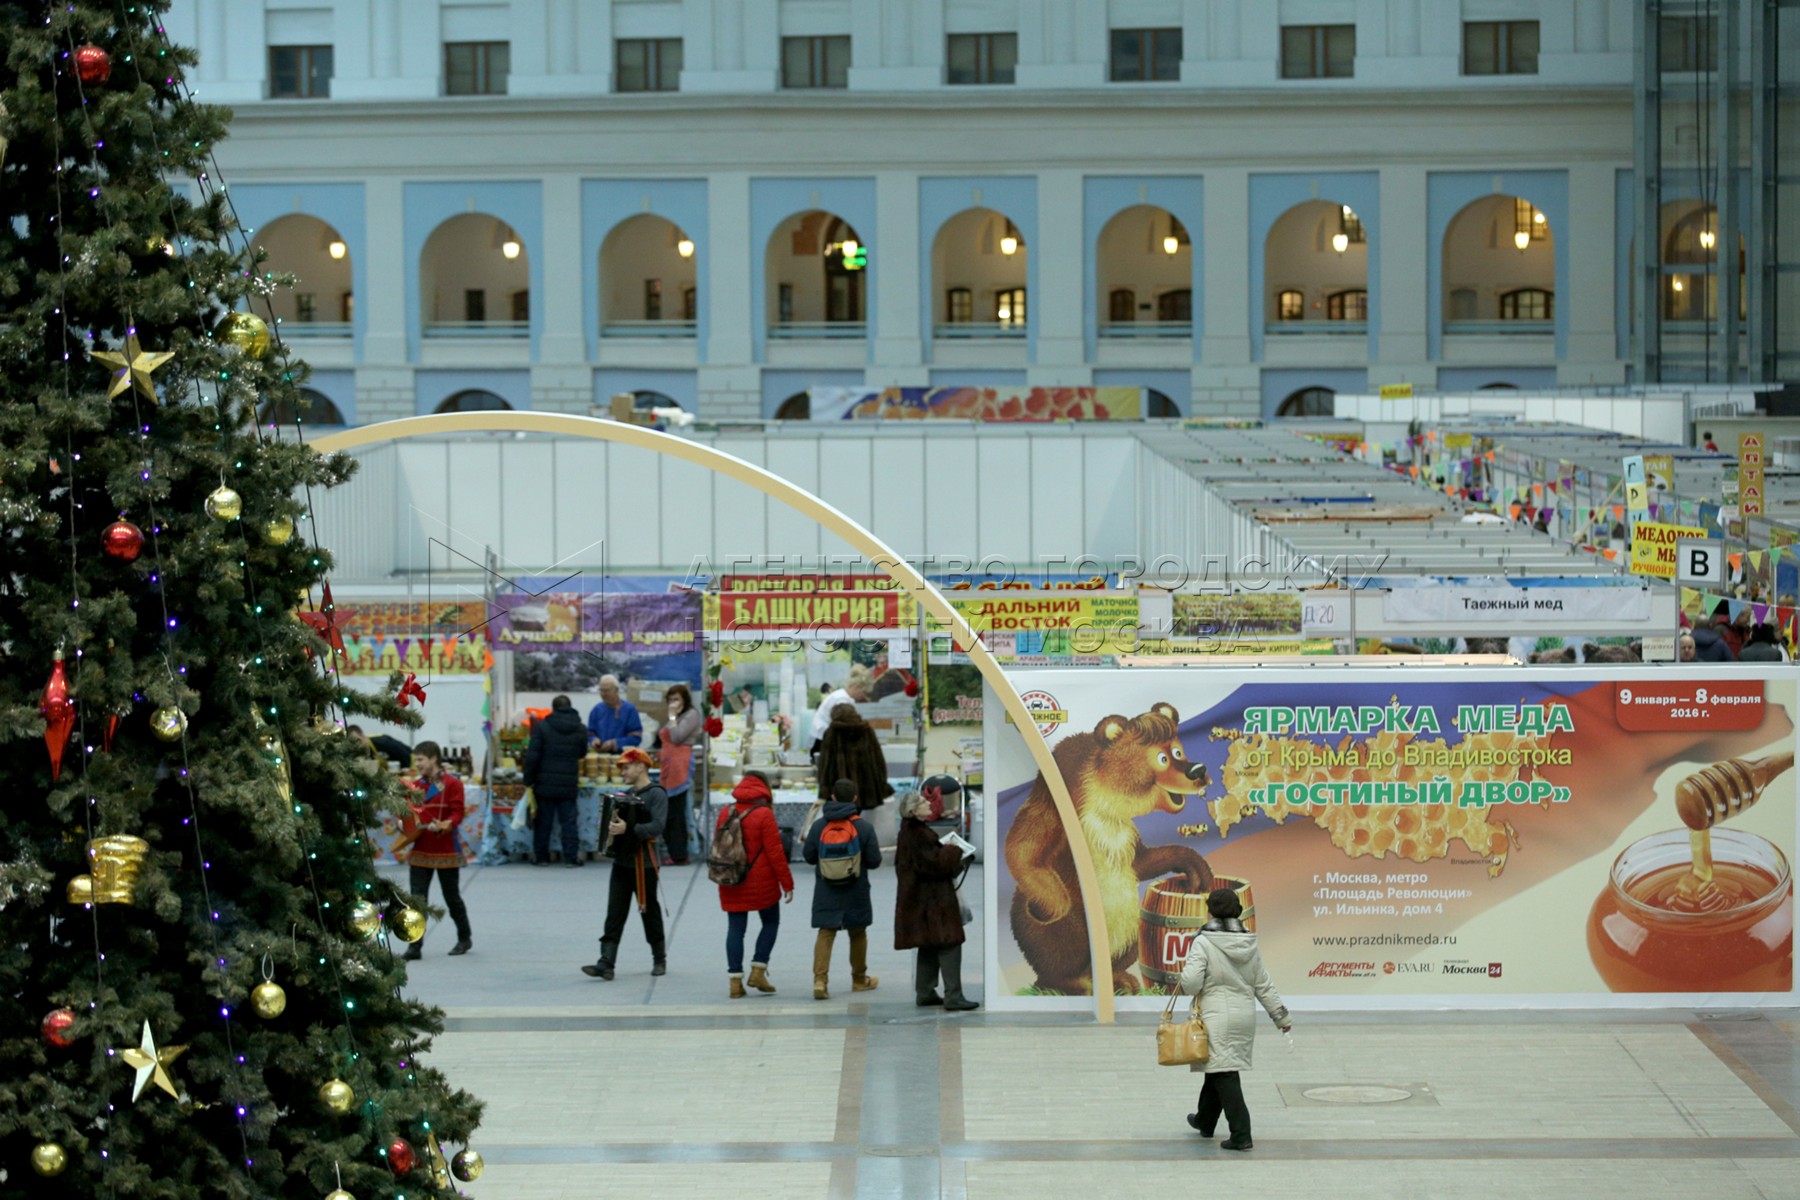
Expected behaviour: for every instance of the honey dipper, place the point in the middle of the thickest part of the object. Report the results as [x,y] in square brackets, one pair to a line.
[1727,788]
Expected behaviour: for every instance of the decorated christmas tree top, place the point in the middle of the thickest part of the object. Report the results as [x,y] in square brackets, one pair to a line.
[198,997]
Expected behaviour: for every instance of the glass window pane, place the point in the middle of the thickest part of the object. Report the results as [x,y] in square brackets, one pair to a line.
[837,62]
[284,71]
[319,78]
[631,70]
[1166,44]
[1003,57]
[796,62]
[459,69]
[668,65]
[1524,48]
[1340,51]
[1296,51]
[1127,54]
[499,66]
[1481,48]
[960,59]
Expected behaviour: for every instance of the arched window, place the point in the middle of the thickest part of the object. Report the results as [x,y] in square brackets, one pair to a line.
[645,401]
[1121,305]
[1499,386]
[1176,305]
[307,406]
[1159,405]
[959,306]
[1526,304]
[797,407]
[473,400]
[1308,402]
[1290,305]
[1352,305]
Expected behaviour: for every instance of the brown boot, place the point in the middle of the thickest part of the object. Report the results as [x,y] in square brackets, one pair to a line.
[822,963]
[759,978]
[860,979]
[737,987]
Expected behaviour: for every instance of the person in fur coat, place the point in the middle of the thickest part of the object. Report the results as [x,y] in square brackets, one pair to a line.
[851,750]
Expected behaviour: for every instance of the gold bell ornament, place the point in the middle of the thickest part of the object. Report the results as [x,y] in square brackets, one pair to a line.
[116,860]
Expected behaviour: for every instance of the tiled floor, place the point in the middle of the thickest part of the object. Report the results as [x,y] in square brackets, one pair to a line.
[661,1087]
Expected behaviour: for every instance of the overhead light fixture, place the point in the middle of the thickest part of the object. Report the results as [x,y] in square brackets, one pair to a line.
[337,249]
[1675,285]
[685,247]
[1522,239]
[1005,313]
[1707,239]
[1340,241]
[1171,244]
[1537,218]
[510,247]
[850,247]
[1009,244]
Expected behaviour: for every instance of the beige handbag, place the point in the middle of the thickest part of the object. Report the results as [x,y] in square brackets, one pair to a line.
[1181,1043]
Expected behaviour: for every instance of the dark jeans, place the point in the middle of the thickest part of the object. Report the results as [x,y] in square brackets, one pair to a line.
[675,831]
[935,961]
[1224,1092]
[621,898]
[419,881]
[737,924]
[562,812]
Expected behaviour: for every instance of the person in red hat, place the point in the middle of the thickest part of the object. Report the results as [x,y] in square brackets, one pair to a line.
[633,851]
[767,883]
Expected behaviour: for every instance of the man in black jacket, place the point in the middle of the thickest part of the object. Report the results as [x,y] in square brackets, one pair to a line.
[553,772]
[633,851]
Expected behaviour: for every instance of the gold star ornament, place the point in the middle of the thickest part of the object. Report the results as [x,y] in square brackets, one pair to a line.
[151,1064]
[132,368]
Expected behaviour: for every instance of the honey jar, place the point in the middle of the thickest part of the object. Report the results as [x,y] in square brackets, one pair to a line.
[1645,936]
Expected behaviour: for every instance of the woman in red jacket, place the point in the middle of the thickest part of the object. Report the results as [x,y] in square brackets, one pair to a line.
[439,811]
[764,888]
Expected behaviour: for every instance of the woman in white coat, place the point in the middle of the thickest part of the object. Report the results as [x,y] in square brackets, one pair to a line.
[1224,969]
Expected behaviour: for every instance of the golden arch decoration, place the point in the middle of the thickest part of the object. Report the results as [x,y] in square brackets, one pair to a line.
[879,554]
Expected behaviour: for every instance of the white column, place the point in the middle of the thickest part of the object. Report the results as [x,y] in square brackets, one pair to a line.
[386,50]
[563,338]
[1062,43]
[1403,300]
[550,39]
[1056,295]
[1225,380]
[385,271]
[883,38]
[1591,353]
[729,381]
[897,276]
[232,35]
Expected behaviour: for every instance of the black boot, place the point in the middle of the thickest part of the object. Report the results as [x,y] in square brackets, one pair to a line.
[659,964]
[1237,1141]
[604,968]
[413,953]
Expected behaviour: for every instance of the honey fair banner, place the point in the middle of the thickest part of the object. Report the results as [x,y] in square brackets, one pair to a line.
[978,403]
[1429,837]
[441,638]
[1018,627]
[1653,547]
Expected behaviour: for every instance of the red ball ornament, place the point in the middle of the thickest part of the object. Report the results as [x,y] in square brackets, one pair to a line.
[715,693]
[122,540]
[401,1156]
[714,727]
[57,1025]
[93,65]
[912,688]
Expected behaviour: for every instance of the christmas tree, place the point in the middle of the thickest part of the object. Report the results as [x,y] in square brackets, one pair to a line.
[199,996]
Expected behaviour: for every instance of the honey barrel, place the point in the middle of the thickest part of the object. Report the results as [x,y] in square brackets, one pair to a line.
[1169,919]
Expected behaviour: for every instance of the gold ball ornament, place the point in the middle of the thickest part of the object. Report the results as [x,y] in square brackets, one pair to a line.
[224,504]
[168,723]
[279,530]
[337,1096]
[409,926]
[247,332]
[340,1194]
[365,918]
[48,1158]
[467,1166]
[268,999]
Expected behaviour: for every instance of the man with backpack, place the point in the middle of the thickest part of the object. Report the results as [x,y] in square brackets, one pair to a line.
[750,867]
[843,847]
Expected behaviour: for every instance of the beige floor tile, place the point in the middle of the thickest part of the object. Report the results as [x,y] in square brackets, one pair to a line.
[578,1089]
[647,1181]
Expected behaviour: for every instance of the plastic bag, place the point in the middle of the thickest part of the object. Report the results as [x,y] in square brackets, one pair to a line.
[523,811]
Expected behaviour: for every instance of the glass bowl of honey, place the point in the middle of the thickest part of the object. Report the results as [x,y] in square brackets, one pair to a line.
[1662,926]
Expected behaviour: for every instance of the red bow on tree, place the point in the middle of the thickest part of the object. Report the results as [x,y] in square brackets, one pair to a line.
[715,693]
[714,727]
[412,688]
[327,622]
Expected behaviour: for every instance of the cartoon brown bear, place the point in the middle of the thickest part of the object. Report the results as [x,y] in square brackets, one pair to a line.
[1128,767]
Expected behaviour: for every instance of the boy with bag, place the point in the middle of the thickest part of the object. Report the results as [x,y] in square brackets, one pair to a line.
[842,846]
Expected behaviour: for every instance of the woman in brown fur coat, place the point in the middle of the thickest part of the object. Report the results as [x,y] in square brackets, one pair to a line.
[850,750]
[927,913]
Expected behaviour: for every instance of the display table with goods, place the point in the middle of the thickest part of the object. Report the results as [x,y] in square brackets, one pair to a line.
[503,843]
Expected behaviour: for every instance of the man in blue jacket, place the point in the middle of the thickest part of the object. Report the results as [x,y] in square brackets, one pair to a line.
[613,724]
